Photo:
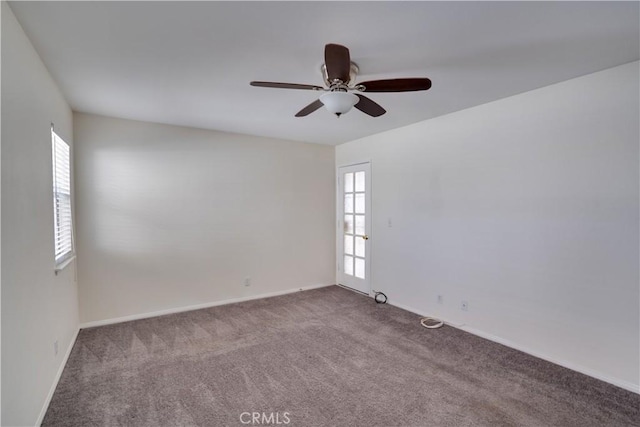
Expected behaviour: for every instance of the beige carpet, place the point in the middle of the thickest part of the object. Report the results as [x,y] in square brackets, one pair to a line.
[327,357]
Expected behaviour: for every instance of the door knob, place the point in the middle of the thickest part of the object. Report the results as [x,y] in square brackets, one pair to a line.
[365,237]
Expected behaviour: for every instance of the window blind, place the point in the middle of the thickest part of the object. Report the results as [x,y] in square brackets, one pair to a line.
[63,224]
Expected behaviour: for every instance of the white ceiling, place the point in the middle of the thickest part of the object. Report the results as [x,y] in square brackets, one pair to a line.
[190,63]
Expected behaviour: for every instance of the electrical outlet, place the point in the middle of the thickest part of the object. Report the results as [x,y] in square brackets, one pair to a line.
[464,306]
[440,299]
[247,281]
[55,348]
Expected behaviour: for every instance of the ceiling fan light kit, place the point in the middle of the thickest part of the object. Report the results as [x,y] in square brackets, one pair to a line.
[339,102]
[339,75]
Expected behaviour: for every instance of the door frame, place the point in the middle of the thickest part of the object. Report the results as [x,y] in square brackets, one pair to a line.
[368,226]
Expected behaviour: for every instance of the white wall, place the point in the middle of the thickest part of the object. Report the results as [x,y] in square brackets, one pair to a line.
[38,307]
[171,217]
[527,208]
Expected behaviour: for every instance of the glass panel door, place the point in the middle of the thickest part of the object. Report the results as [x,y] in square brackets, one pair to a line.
[354,225]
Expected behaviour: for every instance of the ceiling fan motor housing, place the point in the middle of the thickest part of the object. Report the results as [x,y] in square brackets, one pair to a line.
[353,72]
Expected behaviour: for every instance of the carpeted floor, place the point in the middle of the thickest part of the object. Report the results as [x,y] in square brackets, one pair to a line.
[326,357]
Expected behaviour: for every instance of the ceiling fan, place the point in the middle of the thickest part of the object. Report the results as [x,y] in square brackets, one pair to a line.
[339,76]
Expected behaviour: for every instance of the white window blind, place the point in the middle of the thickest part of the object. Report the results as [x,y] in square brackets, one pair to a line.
[63,224]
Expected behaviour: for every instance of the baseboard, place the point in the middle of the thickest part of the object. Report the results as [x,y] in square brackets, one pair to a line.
[57,379]
[195,307]
[564,363]
[423,314]
[353,290]
[589,372]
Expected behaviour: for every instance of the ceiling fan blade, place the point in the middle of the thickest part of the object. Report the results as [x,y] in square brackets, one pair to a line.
[338,62]
[396,85]
[286,85]
[310,108]
[369,107]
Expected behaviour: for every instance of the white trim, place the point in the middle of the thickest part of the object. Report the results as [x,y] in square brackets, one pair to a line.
[569,365]
[423,314]
[195,307]
[59,267]
[57,379]
[635,388]
[355,290]
[346,165]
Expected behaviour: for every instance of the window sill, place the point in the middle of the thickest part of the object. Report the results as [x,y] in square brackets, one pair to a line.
[64,264]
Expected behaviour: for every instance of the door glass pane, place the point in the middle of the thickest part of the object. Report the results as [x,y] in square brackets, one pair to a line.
[348,224]
[348,265]
[360,203]
[360,268]
[359,246]
[348,182]
[360,181]
[348,244]
[348,203]
[359,224]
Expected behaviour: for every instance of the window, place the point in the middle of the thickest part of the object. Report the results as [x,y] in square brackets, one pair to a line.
[63,225]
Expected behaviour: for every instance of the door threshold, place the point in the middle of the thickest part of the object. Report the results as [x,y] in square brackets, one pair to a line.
[353,290]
